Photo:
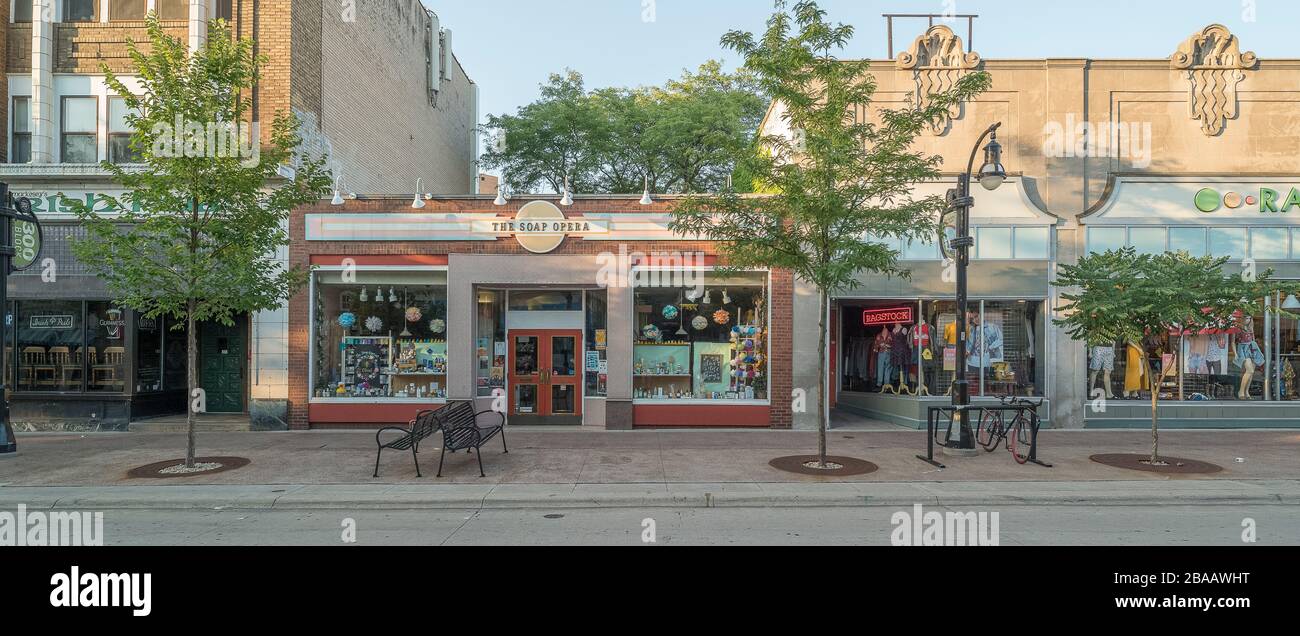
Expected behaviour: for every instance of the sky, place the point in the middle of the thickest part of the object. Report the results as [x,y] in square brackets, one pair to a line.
[509,47]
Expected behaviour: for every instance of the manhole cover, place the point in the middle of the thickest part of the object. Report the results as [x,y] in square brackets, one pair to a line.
[1168,465]
[154,470]
[841,466]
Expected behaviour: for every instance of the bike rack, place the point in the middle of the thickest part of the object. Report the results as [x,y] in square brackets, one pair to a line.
[932,426]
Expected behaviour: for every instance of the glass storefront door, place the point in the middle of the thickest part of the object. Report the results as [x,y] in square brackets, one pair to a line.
[544,383]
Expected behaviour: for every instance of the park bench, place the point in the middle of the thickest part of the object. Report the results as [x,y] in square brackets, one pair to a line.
[461,431]
[423,426]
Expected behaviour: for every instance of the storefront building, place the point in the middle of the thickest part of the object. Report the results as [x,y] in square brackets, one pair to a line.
[593,314]
[1195,152]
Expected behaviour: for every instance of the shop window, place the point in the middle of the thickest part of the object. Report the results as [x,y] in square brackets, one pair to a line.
[1147,240]
[119,133]
[21,138]
[380,335]
[1269,243]
[1105,239]
[106,347]
[172,9]
[993,243]
[490,342]
[920,250]
[1227,241]
[545,300]
[596,364]
[1033,243]
[1187,239]
[80,130]
[80,10]
[149,355]
[705,343]
[50,345]
[126,9]
[175,356]
[1288,355]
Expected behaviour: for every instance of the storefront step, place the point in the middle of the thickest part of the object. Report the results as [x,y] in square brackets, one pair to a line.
[208,423]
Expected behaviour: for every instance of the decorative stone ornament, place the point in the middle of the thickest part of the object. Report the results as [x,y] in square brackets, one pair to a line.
[1215,65]
[937,59]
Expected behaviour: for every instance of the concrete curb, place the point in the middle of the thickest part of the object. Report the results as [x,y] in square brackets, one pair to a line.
[656,495]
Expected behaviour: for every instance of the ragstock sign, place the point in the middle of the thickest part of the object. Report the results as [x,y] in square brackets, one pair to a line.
[902,315]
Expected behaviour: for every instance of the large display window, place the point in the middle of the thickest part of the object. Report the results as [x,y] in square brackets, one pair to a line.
[909,347]
[708,342]
[379,335]
[1245,359]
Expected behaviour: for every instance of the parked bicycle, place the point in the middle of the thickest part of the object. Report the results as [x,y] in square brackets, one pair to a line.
[1019,434]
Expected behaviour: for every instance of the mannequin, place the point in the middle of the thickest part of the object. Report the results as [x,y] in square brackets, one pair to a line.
[1249,356]
[1136,375]
[1103,361]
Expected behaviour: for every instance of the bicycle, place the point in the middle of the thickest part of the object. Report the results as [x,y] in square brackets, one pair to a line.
[1019,435]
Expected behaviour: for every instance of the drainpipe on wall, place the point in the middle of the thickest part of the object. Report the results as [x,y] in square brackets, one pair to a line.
[42,81]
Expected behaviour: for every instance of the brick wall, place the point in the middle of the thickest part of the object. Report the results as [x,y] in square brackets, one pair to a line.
[83,47]
[300,253]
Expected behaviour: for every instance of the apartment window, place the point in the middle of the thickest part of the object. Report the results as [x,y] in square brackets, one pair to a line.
[80,10]
[22,10]
[119,133]
[80,130]
[173,9]
[225,10]
[126,9]
[21,151]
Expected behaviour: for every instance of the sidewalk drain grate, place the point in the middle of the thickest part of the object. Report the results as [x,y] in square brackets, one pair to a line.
[554,516]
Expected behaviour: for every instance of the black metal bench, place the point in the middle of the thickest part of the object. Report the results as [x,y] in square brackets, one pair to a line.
[461,431]
[422,427]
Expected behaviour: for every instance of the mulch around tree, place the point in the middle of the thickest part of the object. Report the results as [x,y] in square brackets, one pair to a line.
[848,466]
[152,471]
[1173,465]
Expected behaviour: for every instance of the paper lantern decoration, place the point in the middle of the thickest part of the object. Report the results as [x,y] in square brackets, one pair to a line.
[374,324]
[651,332]
[700,323]
[437,325]
[735,331]
[347,320]
[670,312]
[413,314]
[722,316]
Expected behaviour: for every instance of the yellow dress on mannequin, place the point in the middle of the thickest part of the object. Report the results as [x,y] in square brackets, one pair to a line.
[1136,376]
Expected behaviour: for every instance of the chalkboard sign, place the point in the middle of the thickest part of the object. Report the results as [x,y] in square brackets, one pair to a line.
[711,368]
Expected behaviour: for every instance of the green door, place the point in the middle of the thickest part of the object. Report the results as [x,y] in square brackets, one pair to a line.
[221,364]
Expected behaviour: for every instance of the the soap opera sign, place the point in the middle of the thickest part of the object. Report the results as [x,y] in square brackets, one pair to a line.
[540,227]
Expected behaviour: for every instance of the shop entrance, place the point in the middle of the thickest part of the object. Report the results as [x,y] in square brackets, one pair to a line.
[544,381]
[222,355]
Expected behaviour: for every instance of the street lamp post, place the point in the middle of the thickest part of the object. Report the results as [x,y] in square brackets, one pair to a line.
[991,175]
[14,214]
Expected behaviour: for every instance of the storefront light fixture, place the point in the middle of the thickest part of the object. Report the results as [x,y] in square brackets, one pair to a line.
[338,192]
[501,195]
[419,198]
[567,198]
[646,199]
[993,174]
[1291,302]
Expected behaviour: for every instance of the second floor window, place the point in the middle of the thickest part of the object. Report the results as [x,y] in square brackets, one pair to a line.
[226,10]
[80,10]
[119,133]
[172,9]
[126,9]
[80,130]
[22,10]
[21,151]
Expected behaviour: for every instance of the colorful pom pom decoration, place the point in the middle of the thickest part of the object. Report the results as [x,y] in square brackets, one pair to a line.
[700,323]
[671,312]
[722,316]
[374,324]
[347,320]
[651,332]
[437,325]
[413,314]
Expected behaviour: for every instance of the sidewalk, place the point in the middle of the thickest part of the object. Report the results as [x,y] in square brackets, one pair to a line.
[572,458]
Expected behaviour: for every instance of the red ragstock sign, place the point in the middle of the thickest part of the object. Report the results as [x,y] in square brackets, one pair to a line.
[901,315]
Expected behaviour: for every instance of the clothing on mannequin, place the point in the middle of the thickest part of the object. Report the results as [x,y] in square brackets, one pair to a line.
[1103,363]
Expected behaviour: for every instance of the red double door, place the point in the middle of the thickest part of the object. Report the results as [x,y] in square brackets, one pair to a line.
[545,377]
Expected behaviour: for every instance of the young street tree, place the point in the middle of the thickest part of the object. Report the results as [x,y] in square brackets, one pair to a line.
[195,237]
[1124,297]
[833,180]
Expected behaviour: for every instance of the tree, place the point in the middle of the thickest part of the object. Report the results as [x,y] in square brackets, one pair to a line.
[195,236]
[681,137]
[1123,296]
[834,180]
